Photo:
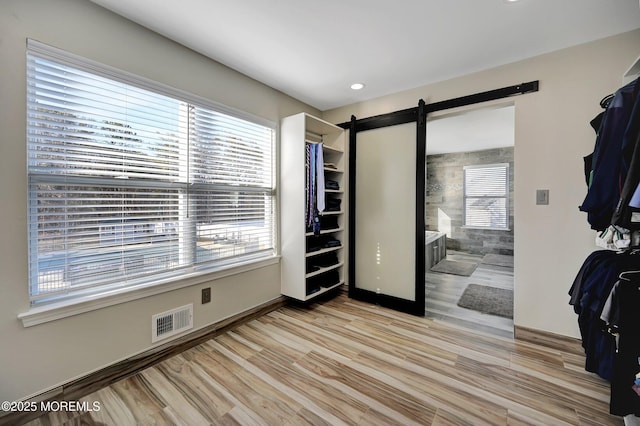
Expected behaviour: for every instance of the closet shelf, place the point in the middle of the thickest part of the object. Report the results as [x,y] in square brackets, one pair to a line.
[329,149]
[330,169]
[331,213]
[325,231]
[323,270]
[323,290]
[322,251]
[632,73]
[326,148]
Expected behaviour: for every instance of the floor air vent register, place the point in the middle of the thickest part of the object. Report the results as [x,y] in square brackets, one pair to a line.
[169,323]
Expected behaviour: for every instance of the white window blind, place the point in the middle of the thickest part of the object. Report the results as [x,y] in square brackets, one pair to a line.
[486,196]
[129,186]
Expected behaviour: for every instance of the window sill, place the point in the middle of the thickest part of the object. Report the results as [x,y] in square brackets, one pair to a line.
[55,311]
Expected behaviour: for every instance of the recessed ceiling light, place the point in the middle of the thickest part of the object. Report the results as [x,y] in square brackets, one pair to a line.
[357,86]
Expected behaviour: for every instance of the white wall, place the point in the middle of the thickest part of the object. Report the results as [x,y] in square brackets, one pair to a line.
[552,136]
[41,357]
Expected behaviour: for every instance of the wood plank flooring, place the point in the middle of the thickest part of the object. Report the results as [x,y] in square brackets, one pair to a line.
[341,361]
[444,290]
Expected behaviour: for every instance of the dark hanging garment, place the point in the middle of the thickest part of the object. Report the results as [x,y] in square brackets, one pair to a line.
[314,185]
[588,167]
[589,292]
[597,122]
[626,215]
[625,322]
[588,295]
[608,170]
[588,160]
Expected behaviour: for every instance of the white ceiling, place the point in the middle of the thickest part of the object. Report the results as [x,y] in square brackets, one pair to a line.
[314,50]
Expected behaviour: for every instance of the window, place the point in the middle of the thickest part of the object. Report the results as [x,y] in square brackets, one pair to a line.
[132,184]
[486,196]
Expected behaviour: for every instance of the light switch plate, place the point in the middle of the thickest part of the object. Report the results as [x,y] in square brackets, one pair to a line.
[542,197]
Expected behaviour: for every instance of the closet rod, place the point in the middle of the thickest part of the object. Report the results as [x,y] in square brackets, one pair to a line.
[408,115]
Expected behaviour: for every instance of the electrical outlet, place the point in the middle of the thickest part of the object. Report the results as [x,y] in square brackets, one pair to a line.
[206,295]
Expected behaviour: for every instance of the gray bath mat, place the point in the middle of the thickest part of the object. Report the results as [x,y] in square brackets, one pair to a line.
[455,267]
[488,300]
[498,260]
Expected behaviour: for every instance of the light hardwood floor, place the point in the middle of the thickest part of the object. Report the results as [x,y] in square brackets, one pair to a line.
[342,361]
[444,290]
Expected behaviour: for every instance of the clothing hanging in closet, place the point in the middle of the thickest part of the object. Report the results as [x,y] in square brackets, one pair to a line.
[613,169]
[606,291]
[589,293]
[622,316]
[627,213]
[315,187]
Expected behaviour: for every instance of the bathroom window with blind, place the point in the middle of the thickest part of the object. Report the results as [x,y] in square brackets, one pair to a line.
[132,183]
[486,196]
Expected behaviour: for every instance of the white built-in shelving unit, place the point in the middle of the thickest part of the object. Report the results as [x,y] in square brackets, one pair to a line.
[305,274]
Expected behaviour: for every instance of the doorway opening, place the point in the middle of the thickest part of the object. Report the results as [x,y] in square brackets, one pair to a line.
[469,219]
